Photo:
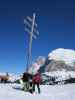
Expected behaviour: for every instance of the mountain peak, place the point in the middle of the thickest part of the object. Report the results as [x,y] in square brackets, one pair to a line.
[61,54]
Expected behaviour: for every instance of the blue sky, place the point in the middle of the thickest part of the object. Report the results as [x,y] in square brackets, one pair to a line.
[56,24]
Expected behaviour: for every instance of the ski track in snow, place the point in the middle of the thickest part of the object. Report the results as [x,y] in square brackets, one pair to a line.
[48,92]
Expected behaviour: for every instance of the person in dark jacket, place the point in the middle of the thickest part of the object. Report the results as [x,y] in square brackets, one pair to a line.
[36,81]
[27,82]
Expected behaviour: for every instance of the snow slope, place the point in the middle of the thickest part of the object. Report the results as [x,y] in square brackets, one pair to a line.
[61,75]
[56,92]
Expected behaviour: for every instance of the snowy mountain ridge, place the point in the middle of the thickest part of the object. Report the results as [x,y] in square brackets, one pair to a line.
[61,54]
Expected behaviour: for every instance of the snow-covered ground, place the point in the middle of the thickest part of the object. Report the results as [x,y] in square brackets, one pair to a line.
[48,92]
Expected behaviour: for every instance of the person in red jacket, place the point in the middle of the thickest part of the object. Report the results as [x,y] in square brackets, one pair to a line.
[36,81]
